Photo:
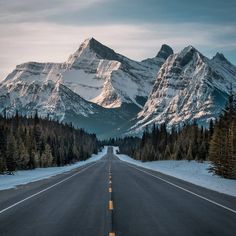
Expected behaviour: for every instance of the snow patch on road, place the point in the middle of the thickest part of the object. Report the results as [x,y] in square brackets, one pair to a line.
[190,171]
[27,176]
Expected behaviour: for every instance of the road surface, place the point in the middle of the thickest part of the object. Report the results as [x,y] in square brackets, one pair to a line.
[111,197]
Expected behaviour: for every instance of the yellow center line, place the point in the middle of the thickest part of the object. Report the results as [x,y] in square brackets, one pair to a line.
[110,190]
[112,234]
[111,205]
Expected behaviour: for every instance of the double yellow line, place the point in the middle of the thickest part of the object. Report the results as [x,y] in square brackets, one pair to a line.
[110,205]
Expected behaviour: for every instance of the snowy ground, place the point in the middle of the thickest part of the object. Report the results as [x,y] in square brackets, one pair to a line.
[193,172]
[27,176]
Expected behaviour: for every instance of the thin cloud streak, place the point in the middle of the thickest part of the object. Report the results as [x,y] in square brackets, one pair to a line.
[15,11]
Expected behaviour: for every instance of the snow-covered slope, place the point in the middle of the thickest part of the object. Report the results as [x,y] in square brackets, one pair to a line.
[96,73]
[190,171]
[108,93]
[78,90]
[156,62]
[48,98]
[56,101]
[109,79]
[189,87]
[22,177]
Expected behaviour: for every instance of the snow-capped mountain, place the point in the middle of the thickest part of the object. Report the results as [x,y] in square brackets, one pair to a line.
[78,90]
[97,74]
[108,78]
[189,86]
[107,93]
[156,62]
[56,101]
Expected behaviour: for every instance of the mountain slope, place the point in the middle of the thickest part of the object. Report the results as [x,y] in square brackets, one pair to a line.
[82,89]
[96,73]
[188,87]
[107,93]
[56,101]
[118,79]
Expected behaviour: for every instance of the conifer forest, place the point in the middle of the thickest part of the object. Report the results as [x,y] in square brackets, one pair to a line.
[216,143]
[28,143]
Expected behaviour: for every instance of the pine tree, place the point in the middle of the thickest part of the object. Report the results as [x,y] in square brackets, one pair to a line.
[190,152]
[2,163]
[23,160]
[221,153]
[47,157]
[11,154]
[232,161]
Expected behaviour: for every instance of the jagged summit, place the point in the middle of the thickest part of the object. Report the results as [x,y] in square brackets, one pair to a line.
[104,91]
[92,48]
[165,51]
[189,87]
[188,50]
[219,57]
[187,55]
[156,62]
[101,50]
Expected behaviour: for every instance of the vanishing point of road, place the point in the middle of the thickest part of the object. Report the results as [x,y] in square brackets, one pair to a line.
[114,198]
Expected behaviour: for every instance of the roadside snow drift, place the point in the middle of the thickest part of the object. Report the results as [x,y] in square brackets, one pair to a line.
[27,176]
[190,171]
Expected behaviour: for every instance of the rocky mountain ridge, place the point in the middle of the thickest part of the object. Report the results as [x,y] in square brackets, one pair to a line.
[189,87]
[109,94]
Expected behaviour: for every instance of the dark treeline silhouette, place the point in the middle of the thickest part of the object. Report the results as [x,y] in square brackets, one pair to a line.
[222,151]
[27,143]
[190,143]
[216,144]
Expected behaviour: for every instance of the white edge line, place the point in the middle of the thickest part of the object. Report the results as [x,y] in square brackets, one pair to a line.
[186,190]
[44,190]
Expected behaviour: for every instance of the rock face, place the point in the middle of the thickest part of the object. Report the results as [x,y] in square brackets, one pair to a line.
[106,77]
[96,73]
[107,93]
[81,89]
[155,63]
[188,87]
[165,52]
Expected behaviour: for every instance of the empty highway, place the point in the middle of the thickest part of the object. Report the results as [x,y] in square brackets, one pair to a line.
[111,197]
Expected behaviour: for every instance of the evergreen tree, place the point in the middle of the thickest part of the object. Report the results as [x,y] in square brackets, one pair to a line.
[11,154]
[27,143]
[222,145]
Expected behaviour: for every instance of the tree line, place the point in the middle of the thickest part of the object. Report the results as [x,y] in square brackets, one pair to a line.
[28,143]
[216,144]
[222,152]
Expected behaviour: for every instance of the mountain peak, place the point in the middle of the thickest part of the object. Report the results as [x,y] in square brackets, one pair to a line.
[188,49]
[90,42]
[165,51]
[220,57]
[188,54]
[90,48]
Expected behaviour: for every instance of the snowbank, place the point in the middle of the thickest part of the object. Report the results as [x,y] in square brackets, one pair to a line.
[190,171]
[27,176]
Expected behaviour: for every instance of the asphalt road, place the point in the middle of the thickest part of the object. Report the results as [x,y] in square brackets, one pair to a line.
[113,196]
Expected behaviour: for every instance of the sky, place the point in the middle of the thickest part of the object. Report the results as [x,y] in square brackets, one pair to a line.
[51,30]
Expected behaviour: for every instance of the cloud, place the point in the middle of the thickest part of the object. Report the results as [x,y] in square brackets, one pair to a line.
[32,10]
[21,42]
[91,12]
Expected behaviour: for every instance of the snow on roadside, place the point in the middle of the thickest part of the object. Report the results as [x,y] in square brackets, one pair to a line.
[190,171]
[27,176]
